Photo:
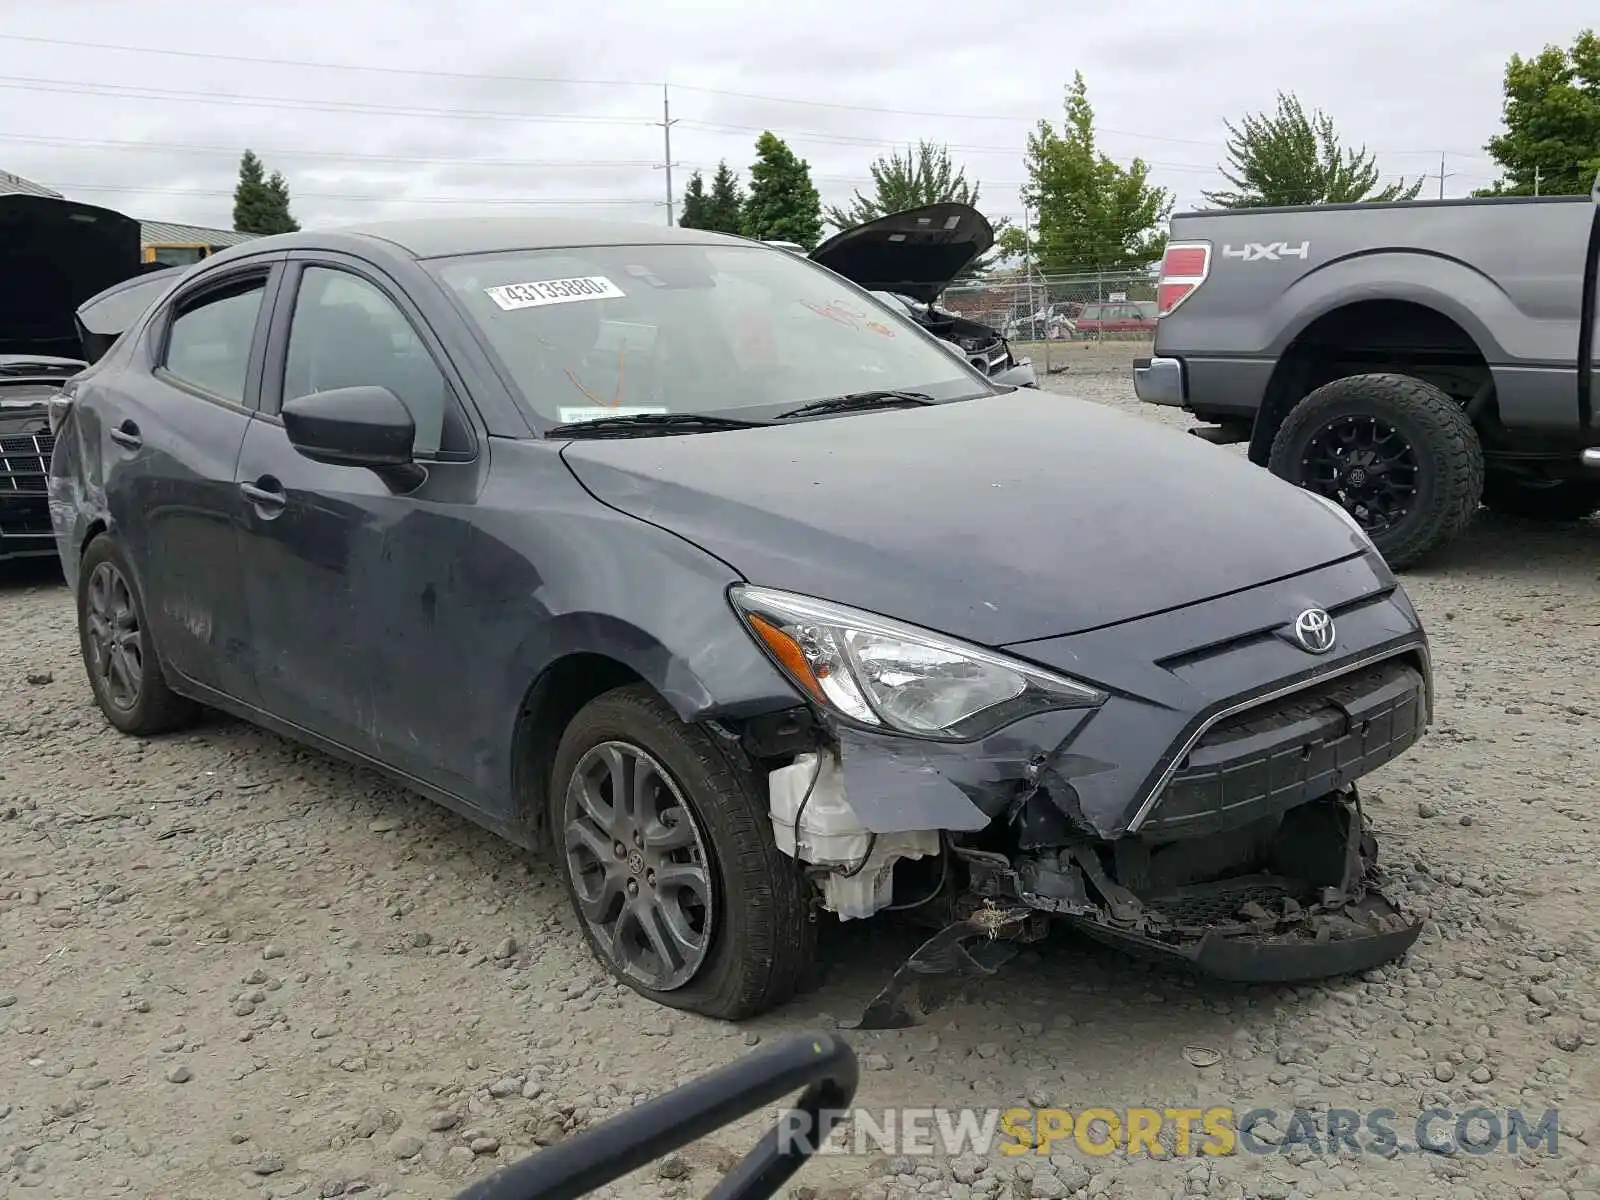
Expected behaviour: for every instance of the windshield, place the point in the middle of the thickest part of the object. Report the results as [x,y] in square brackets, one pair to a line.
[604,331]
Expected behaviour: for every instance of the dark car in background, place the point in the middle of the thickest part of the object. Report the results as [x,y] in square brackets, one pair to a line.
[54,255]
[619,541]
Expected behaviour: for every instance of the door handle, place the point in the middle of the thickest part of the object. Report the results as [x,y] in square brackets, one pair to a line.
[127,436]
[265,497]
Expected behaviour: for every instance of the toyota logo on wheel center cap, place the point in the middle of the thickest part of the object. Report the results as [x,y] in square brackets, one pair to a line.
[1313,629]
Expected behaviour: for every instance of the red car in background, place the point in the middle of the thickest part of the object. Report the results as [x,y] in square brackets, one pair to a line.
[1124,317]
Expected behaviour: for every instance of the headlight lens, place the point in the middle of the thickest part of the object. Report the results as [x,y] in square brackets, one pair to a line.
[881,673]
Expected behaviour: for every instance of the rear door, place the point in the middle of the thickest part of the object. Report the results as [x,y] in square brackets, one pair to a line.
[168,426]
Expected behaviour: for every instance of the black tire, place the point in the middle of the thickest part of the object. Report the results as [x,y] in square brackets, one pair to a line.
[762,935]
[154,708]
[1554,500]
[1448,477]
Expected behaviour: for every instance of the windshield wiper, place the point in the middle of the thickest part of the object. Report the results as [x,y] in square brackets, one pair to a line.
[649,423]
[858,400]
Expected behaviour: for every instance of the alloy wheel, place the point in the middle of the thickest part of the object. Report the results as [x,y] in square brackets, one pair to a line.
[639,866]
[1366,466]
[115,643]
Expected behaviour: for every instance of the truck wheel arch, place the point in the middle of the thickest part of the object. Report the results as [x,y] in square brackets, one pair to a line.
[1417,330]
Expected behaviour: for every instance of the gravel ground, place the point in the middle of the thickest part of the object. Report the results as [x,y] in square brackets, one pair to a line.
[230,967]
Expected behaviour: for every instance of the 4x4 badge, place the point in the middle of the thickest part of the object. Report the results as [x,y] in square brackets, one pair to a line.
[1313,629]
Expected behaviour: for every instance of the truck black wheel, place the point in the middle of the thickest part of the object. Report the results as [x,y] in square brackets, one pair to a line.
[664,839]
[1398,454]
[118,652]
[1541,500]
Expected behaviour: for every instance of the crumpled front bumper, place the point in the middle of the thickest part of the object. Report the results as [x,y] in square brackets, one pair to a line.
[1309,906]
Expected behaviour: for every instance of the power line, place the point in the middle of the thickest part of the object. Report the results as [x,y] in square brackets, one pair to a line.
[544,201]
[476,77]
[174,95]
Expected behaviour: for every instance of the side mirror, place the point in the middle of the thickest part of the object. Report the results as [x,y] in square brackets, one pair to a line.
[351,427]
[824,1065]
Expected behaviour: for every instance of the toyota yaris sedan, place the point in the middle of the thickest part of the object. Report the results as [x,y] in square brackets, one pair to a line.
[681,557]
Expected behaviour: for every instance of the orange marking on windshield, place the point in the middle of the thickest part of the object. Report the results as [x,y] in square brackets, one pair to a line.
[616,395]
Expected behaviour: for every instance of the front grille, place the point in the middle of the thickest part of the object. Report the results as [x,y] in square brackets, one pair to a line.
[1219,903]
[25,462]
[24,488]
[1272,757]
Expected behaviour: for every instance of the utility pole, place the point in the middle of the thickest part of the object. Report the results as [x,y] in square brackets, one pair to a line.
[667,122]
[1536,179]
[1443,175]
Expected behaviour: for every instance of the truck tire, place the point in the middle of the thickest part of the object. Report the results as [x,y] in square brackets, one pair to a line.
[681,890]
[1397,453]
[1536,500]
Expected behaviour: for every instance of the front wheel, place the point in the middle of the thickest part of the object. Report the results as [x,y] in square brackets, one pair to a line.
[1542,500]
[1396,453]
[665,844]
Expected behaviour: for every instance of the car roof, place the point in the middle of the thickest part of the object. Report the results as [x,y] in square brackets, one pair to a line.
[442,237]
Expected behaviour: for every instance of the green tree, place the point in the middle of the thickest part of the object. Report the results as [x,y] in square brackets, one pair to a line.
[260,201]
[782,204]
[1290,157]
[694,213]
[1551,141]
[922,176]
[1092,214]
[726,204]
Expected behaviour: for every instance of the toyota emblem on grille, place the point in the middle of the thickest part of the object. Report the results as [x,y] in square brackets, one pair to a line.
[1313,629]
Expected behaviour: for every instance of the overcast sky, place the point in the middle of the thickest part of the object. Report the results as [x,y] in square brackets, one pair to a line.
[488,106]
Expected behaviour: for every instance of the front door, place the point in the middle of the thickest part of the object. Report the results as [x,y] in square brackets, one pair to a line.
[349,583]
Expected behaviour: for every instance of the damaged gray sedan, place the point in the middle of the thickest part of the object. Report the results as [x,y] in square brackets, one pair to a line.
[679,556]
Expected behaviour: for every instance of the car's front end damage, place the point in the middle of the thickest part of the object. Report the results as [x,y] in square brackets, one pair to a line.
[1196,802]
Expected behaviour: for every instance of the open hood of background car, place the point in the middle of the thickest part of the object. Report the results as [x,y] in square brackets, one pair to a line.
[915,253]
[54,255]
[104,317]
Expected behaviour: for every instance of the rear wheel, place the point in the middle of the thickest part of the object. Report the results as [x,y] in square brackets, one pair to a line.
[1396,453]
[1542,500]
[118,654]
[665,843]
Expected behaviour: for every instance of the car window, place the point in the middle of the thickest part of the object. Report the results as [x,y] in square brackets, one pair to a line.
[209,342]
[596,331]
[1093,312]
[347,333]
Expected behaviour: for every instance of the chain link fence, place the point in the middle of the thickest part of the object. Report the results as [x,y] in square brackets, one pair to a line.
[1046,309]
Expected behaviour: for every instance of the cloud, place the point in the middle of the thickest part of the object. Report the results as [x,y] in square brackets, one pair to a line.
[480,103]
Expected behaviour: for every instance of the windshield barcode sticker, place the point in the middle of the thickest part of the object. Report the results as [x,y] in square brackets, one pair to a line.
[512,296]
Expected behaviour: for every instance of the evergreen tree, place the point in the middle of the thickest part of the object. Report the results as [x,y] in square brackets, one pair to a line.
[696,210]
[726,205]
[783,204]
[260,201]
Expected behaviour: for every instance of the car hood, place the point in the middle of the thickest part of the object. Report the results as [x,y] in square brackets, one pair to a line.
[54,255]
[914,253]
[998,520]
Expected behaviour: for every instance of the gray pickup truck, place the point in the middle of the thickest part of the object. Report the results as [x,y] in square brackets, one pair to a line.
[1410,361]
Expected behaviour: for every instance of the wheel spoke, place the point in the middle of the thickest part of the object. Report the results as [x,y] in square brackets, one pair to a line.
[668,832]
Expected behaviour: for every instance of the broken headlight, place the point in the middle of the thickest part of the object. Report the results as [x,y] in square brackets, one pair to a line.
[883,674]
